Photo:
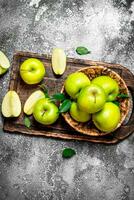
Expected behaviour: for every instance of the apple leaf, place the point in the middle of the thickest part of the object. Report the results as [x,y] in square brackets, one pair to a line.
[58,97]
[27,122]
[65,106]
[116,103]
[82,50]
[45,90]
[68,153]
[123,96]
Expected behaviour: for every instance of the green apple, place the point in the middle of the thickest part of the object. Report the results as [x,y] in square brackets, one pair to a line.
[45,112]
[109,85]
[11,105]
[75,82]
[108,118]
[77,114]
[91,99]
[31,101]
[32,71]
[4,63]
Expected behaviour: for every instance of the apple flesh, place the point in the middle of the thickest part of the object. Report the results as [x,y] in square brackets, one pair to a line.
[11,105]
[58,61]
[32,71]
[4,63]
[75,82]
[77,114]
[45,112]
[108,118]
[91,99]
[31,101]
[109,85]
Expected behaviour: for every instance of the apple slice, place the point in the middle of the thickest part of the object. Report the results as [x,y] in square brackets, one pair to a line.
[58,61]
[4,62]
[11,105]
[31,101]
[2,70]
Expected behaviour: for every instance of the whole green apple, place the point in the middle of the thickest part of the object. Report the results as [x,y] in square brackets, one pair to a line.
[45,112]
[75,82]
[108,118]
[91,99]
[109,85]
[77,114]
[32,71]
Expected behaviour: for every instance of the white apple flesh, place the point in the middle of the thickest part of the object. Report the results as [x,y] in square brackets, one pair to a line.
[11,105]
[31,101]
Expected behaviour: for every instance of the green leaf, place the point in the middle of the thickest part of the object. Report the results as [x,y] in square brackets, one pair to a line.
[68,153]
[82,50]
[45,90]
[65,106]
[116,102]
[58,96]
[27,122]
[123,96]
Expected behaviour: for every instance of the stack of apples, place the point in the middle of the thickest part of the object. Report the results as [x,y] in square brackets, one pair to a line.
[94,100]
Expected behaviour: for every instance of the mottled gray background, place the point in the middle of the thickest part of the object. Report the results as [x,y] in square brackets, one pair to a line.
[32,168]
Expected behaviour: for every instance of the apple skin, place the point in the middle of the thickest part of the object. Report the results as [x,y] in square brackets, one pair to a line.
[77,114]
[75,82]
[109,85]
[45,112]
[108,118]
[91,99]
[32,71]
[2,70]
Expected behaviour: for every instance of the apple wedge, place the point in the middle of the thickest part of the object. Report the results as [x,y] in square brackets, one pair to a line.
[58,61]
[11,105]
[31,101]
[4,63]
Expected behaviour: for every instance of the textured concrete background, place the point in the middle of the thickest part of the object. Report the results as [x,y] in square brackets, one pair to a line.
[32,168]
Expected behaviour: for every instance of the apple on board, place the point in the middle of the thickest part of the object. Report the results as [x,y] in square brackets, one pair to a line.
[31,101]
[32,71]
[109,85]
[77,114]
[75,82]
[91,99]
[45,112]
[108,118]
[11,105]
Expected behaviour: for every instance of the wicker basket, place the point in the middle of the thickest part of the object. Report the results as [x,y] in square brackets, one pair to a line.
[89,128]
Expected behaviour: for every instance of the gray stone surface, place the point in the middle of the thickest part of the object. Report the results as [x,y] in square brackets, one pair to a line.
[32,168]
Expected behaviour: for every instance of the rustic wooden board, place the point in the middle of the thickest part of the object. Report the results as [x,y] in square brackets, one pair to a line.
[54,83]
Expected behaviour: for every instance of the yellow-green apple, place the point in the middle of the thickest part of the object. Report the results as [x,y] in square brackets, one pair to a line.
[45,112]
[91,99]
[11,105]
[109,85]
[75,82]
[77,114]
[31,101]
[108,118]
[4,63]
[32,71]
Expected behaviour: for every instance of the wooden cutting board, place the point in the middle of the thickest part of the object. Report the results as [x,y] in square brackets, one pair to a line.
[54,83]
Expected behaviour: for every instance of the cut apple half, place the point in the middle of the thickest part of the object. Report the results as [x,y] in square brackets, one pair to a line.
[11,105]
[31,101]
[4,62]
[58,61]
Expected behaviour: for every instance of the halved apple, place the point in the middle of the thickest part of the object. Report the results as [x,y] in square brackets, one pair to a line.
[31,101]
[4,63]
[11,105]
[58,61]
